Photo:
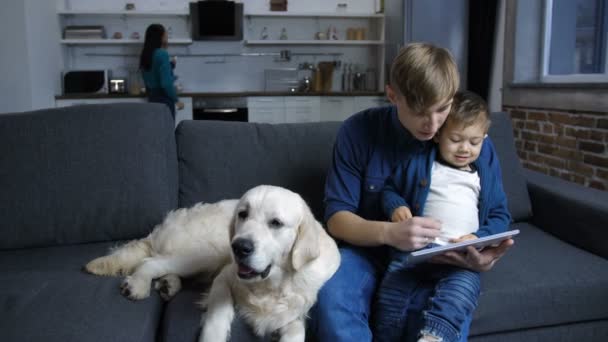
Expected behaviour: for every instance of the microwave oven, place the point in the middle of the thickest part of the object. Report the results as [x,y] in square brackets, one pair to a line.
[85,82]
[216,20]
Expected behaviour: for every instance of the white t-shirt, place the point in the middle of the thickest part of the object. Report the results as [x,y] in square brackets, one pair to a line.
[453,199]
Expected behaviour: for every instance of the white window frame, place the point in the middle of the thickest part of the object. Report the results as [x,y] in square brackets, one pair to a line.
[546,48]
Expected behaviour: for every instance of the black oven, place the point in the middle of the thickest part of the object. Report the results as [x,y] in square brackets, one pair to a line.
[220,108]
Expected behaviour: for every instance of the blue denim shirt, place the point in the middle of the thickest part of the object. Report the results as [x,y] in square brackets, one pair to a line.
[368,148]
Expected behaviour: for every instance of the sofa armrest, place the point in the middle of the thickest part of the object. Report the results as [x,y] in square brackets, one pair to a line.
[573,213]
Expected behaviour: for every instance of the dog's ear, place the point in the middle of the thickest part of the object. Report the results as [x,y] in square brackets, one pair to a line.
[306,247]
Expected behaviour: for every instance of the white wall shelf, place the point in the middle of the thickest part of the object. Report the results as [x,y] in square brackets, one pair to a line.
[314,42]
[125,12]
[315,14]
[176,41]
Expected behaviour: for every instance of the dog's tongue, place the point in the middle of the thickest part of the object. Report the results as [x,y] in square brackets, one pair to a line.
[245,270]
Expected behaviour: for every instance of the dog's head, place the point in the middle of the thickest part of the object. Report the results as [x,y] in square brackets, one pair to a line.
[272,227]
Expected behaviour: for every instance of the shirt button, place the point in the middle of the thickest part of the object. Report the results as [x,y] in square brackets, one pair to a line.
[424,183]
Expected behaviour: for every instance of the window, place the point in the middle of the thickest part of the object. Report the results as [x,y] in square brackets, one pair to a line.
[575,41]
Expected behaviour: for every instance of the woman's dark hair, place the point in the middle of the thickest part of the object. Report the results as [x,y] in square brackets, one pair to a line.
[152,41]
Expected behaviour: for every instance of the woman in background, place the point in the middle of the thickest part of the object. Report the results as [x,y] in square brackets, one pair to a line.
[157,69]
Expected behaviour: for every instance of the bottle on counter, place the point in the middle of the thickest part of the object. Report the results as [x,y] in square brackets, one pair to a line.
[347,77]
[370,75]
[134,82]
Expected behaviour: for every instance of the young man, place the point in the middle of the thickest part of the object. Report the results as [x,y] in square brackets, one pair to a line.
[424,79]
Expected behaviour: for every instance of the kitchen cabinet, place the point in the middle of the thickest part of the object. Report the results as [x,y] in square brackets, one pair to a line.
[284,109]
[186,113]
[339,108]
[365,102]
[302,109]
[266,109]
[336,108]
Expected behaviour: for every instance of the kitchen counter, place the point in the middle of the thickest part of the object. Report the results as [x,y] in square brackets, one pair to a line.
[222,94]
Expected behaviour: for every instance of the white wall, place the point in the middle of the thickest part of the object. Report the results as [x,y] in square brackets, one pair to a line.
[15,94]
[44,54]
[31,59]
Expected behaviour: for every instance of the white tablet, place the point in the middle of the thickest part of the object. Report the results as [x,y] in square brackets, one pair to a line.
[424,254]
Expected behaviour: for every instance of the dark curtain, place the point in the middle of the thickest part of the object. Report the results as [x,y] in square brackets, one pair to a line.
[482,26]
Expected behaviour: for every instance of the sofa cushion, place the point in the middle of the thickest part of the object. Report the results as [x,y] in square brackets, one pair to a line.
[585,331]
[45,297]
[182,318]
[219,160]
[85,173]
[514,181]
[542,281]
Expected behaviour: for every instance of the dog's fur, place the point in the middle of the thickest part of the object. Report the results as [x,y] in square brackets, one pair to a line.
[272,282]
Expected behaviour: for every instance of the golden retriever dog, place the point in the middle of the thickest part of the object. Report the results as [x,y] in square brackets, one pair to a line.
[271,254]
[281,258]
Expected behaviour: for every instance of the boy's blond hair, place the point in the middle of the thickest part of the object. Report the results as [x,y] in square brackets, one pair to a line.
[424,74]
[468,109]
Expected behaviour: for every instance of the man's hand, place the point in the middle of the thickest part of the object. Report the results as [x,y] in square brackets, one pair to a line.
[179,105]
[474,259]
[401,214]
[411,234]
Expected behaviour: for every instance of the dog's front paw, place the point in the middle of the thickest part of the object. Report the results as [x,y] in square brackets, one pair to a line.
[134,288]
[168,286]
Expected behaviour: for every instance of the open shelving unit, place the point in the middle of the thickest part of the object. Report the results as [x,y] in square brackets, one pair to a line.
[314,15]
[314,42]
[177,41]
[303,27]
[143,13]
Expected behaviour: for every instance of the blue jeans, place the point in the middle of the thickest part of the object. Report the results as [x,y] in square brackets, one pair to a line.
[447,313]
[344,307]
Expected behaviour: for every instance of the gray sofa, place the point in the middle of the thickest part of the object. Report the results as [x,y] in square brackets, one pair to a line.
[76,181]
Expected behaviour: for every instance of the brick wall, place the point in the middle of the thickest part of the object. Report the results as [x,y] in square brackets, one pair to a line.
[566,144]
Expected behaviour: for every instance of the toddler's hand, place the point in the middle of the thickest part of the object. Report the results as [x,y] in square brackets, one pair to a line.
[401,214]
[464,238]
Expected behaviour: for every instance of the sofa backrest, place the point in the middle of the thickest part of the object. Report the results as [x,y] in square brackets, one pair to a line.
[513,179]
[219,160]
[85,173]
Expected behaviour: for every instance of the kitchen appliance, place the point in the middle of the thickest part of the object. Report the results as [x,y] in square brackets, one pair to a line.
[220,108]
[85,82]
[216,20]
[118,86]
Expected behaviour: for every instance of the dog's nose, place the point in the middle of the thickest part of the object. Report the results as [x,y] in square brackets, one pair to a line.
[242,247]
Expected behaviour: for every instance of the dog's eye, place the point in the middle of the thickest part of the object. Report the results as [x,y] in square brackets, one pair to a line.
[275,223]
[242,214]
